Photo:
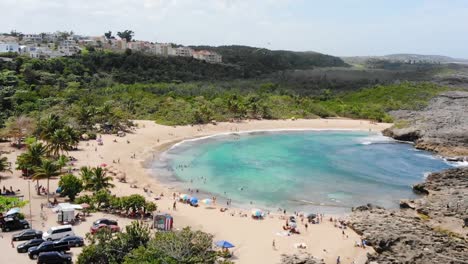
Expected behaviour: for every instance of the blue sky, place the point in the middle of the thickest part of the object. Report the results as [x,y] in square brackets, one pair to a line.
[345,27]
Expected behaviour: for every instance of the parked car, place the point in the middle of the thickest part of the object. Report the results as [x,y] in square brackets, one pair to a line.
[54,257]
[113,228]
[23,247]
[105,221]
[27,235]
[14,224]
[72,241]
[46,246]
[58,232]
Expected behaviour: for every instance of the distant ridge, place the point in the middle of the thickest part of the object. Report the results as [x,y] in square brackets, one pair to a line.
[406,57]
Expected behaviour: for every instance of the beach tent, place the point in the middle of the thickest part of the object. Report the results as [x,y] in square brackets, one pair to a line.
[257,213]
[66,212]
[224,244]
[193,201]
[207,201]
[184,197]
[66,207]
[163,222]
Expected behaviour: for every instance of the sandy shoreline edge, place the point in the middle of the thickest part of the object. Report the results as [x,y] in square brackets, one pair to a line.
[158,151]
[252,238]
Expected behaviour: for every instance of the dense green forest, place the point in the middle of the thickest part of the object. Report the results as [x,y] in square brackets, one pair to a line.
[107,89]
[259,61]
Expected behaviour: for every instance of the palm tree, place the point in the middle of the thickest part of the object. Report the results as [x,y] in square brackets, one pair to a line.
[31,158]
[58,143]
[86,174]
[98,180]
[62,162]
[4,165]
[73,136]
[47,170]
[48,126]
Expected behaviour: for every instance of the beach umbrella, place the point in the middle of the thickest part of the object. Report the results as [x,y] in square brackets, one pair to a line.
[293,225]
[207,201]
[85,205]
[257,213]
[103,165]
[311,216]
[184,196]
[194,200]
[59,190]
[224,244]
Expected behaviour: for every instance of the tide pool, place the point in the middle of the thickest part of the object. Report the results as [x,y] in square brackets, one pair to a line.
[325,171]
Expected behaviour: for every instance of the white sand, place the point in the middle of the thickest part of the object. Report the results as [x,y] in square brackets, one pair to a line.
[253,239]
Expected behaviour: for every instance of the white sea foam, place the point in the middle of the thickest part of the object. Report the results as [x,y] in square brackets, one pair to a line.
[457,163]
[376,139]
[427,156]
[237,133]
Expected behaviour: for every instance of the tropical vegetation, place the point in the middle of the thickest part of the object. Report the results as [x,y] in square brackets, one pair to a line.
[6,203]
[47,170]
[139,245]
[4,165]
[70,186]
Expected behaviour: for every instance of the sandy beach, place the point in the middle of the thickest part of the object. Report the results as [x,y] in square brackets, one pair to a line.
[253,239]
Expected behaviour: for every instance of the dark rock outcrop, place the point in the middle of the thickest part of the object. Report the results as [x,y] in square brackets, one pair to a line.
[303,258]
[441,127]
[427,230]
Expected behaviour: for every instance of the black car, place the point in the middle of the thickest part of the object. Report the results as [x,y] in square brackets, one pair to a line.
[27,235]
[105,221]
[47,246]
[72,241]
[53,257]
[14,224]
[23,247]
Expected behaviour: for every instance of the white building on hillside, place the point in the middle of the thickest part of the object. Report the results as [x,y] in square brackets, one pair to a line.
[43,52]
[68,47]
[9,47]
[181,51]
[208,56]
[32,38]
[162,49]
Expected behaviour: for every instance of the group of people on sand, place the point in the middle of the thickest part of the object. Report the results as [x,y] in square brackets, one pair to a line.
[10,191]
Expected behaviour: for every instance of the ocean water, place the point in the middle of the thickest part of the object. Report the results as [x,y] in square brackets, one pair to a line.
[312,171]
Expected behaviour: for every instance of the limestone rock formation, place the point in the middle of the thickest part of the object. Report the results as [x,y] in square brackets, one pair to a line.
[441,127]
[427,230]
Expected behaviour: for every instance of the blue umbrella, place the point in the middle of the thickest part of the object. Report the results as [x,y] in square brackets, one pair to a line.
[224,244]
[194,200]
[59,190]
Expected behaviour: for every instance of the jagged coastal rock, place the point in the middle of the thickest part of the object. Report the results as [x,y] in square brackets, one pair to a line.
[427,230]
[302,258]
[441,127]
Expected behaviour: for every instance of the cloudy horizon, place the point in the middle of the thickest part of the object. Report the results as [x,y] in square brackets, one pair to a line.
[341,28]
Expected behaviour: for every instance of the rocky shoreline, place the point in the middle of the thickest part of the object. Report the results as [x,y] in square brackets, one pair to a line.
[431,229]
[441,127]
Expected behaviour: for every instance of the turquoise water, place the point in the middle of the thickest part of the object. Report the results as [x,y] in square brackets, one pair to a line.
[326,171]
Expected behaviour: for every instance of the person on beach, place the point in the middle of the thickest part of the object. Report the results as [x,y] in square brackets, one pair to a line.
[306,226]
[274,244]
[174,206]
[338,261]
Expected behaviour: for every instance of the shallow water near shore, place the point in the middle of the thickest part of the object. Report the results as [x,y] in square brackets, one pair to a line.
[312,171]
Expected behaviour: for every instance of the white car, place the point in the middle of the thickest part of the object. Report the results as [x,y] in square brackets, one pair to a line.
[58,232]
